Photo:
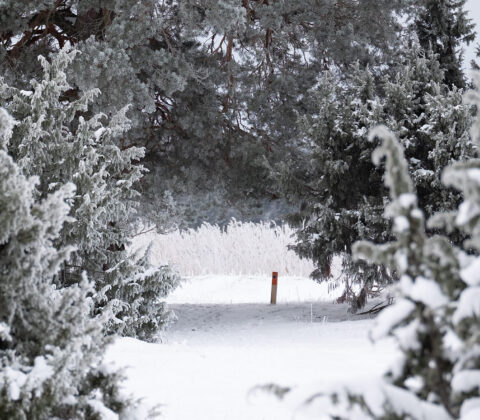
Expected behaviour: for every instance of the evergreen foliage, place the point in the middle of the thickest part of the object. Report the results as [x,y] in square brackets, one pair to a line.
[416,320]
[432,124]
[61,142]
[435,321]
[51,344]
[443,26]
[238,108]
[340,191]
[214,86]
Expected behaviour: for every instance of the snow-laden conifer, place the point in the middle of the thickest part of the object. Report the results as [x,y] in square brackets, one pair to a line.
[214,85]
[465,176]
[51,343]
[435,319]
[340,191]
[418,385]
[432,124]
[444,26]
[60,142]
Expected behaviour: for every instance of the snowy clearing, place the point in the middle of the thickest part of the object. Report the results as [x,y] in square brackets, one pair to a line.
[228,340]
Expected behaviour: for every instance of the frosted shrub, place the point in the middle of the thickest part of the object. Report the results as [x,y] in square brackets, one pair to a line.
[239,248]
[51,344]
[59,141]
[436,318]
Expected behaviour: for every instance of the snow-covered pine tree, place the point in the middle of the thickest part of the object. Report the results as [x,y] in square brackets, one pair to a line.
[435,320]
[51,344]
[340,191]
[59,141]
[444,25]
[214,85]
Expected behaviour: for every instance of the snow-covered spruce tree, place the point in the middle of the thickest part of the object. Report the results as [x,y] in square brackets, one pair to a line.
[444,26]
[465,176]
[339,189]
[60,141]
[51,344]
[432,124]
[435,318]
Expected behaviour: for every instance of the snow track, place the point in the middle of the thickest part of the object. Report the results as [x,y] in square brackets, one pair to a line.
[216,353]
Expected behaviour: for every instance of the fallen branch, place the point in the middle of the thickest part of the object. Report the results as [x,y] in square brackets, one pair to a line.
[377,308]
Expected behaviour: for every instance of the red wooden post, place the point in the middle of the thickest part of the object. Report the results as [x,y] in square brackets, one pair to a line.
[273,298]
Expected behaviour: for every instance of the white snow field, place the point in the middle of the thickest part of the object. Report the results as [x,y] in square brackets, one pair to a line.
[228,340]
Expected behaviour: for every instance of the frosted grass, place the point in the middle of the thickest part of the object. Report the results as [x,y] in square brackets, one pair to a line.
[238,249]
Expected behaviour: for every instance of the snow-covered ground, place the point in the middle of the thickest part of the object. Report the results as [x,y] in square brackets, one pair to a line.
[228,341]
